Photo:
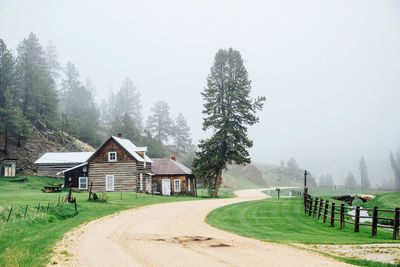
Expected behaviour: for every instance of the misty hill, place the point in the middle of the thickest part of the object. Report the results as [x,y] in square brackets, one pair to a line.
[261,175]
[43,140]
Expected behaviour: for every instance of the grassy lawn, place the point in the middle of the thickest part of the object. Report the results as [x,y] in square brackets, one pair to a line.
[29,242]
[283,220]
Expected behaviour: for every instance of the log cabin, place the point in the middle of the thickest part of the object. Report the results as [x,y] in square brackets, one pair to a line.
[8,167]
[51,163]
[172,177]
[117,165]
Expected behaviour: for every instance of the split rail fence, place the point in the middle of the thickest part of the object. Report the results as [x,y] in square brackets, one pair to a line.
[330,212]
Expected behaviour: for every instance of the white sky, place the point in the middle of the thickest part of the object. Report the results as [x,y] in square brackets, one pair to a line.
[329,69]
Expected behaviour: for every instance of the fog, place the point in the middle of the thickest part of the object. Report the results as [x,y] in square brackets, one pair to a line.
[329,69]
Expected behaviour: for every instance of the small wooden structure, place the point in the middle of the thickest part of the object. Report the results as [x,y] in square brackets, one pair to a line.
[51,163]
[8,167]
[172,177]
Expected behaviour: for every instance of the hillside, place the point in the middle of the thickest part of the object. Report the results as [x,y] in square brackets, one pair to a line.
[258,175]
[43,140]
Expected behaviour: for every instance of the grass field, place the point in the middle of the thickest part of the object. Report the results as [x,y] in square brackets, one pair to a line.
[283,220]
[29,242]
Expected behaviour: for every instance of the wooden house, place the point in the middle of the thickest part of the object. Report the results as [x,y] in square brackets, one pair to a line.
[8,167]
[172,177]
[51,163]
[117,165]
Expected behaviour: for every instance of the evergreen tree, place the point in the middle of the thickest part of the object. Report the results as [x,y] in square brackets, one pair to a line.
[228,110]
[350,181]
[159,123]
[311,180]
[35,87]
[181,134]
[395,163]
[292,165]
[282,164]
[365,183]
[12,121]
[127,101]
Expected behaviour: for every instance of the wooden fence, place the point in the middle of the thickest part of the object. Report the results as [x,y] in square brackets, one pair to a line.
[320,209]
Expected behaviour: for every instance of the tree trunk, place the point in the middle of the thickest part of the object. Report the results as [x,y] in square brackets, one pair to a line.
[19,140]
[6,140]
[218,181]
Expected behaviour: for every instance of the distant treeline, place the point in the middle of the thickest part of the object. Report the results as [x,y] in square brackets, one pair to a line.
[36,91]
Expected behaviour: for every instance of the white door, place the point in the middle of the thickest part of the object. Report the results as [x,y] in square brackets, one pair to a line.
[166,187]
[148,185]
[109,182]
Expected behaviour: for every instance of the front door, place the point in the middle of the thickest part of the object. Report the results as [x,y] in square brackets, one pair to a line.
[148,185]
[166,187]
[109,182]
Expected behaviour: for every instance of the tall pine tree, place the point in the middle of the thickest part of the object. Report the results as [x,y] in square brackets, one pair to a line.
[181,134]
[228,111]
[12,121]
[159,124]
[365,183]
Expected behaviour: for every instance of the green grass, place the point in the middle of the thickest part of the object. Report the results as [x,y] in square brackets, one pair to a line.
[283,220]
[29,242]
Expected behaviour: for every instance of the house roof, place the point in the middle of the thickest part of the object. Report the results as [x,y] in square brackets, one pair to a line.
[132,149]
[64,157]
[72,168]
[169,167]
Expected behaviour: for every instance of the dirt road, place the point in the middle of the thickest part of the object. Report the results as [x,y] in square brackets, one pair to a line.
[175,234]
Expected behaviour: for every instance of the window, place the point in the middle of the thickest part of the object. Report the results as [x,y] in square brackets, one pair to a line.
[177,185]
[112,156]
[189,185]
[83,184]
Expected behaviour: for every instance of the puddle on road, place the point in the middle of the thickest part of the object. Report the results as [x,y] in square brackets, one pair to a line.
[187,241]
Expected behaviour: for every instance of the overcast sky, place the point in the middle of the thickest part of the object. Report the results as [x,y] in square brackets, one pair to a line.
[330,69]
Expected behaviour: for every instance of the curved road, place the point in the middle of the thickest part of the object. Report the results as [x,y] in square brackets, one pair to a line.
[175,234]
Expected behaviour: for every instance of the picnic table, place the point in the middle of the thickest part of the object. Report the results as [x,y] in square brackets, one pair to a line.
[52,189]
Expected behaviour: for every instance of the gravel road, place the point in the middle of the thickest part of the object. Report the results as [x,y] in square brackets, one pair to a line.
[175,234]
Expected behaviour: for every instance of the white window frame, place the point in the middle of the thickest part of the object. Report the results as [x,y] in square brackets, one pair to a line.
[179,185]
[80,187]
[141,181]
[109,156]
[107,183]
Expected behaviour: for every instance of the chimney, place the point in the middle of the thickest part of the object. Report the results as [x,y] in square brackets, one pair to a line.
[173,158]
[119,135]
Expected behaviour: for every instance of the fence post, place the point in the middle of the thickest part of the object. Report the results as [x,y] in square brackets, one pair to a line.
[306,205]
[310,207]
[396,224]
[357,220]
[374,221]
[321,202]
[26,209]
[48,205]
[342,215]
[333,215]
[75,203]
[315,207]
[325,210]
[9,214]
[38,207]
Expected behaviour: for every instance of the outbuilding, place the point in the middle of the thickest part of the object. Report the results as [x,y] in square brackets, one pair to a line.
[172,177]
[51,163]
[8,167]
